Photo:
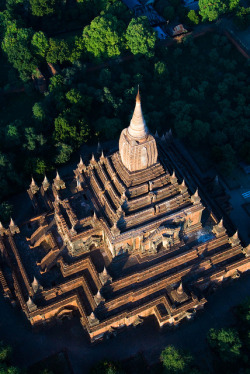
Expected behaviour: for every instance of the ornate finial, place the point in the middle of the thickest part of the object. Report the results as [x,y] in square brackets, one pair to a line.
[94,216]
[234,240]
[12,223]
[195,198]
[2,229]
[81,161]
[138,96]
[31,305]
[33,186]
[220,224]
[180,289]
[236,235]
[35,285]
[45,183]
[105,271]
[58,182]
[45,180]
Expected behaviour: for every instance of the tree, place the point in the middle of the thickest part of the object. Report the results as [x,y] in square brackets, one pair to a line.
[70,132]
[141,37]
[58,51]
[109,127]
[175,361]
[211,10]
[42,8]
[226,343]
[106,367]
[193,17]
[12,133]
[103,38]
[38,111]
[64,153]
[242,18]
[40,43]
[200,130]
[17,45]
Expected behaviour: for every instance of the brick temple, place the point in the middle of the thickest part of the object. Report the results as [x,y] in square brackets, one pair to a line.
[127,238]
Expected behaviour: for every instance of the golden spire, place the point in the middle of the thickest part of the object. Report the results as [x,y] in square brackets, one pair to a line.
[138,96]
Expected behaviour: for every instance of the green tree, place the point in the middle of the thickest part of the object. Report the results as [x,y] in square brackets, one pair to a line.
[12,133]
[58,51]
[103,38]
[210,11]
[38,111]
[106,367]
[42,8]
[193,17]
[242,18]
[17,45]
[226,343]
[109,127]
[40,43]
[175,361]
[5,350]
[141,37]
[64,152]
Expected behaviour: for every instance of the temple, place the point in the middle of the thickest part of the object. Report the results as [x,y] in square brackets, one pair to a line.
[127,238]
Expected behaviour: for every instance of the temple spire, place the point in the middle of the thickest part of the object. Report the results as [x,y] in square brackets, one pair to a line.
[137,128]
[138,96]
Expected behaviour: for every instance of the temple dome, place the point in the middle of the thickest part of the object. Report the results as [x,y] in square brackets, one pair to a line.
[137,147]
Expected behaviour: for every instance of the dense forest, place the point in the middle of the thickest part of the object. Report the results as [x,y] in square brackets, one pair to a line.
[198,87]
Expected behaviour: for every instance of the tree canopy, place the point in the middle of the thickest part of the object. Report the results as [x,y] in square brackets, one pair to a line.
[141,37]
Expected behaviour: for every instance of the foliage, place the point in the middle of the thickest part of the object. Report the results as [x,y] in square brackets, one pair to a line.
[40,43]
[103,37]
[17,45]
[58,51]
[210,11]
[226,343]
[193,17]
[140,36]
[41,8]
[242,18]
[5,213]
[175,361]
[106,367]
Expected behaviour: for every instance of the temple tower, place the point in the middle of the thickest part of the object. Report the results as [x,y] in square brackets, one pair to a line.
[137,147]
